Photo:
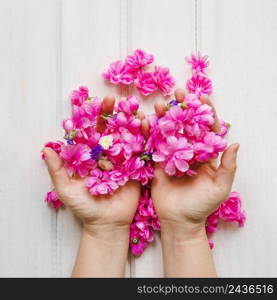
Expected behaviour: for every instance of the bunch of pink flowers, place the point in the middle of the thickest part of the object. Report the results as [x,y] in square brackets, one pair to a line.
[144,224]
[132,71]
[183,136]
[109,159]
[178,140]
[229,211]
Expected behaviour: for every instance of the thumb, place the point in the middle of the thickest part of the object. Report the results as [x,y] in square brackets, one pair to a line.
[225,173]
[145,128]
[55,168]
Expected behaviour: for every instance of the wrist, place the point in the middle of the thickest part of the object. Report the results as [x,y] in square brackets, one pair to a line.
[186,252]
[102,252]
[175,233]
[108,233]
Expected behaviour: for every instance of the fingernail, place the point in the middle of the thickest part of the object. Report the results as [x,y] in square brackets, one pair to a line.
[237,145]
[44,151]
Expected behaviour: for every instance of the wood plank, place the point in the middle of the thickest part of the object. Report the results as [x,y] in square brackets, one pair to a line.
[93,35]
[241,39]
[28,119]
[167,32]
[48,48]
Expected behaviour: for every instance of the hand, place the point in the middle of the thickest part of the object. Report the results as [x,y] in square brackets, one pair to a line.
[109,211]
[184,203]
[105,239]
[189,200]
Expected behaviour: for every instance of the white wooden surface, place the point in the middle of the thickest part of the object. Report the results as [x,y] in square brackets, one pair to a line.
[49,47]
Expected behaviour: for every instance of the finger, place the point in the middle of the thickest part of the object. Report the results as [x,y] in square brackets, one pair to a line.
[226,171]
[108,105]
[216,125]
[180,95]
[56,169]
[106,109]
[140,115]
[145,128]
[160,109]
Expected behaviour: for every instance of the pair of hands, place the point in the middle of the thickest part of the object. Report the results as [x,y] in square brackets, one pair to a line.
[182,203]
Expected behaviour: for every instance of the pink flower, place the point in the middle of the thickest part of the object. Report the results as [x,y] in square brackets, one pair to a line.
[122,122]
[146,211]
[137,243]
[139,59]
[80,118]
[164,80]
[79,96]
[199,119]
[174,154]
[100,183]
[146,231]
[202,114]
[68,125]
[231,211]
[155,136]
[119,72]
[144,223]
[132,143]
[173,121]
[89,136]
[198,63]
[128,139]
[199,85]
[212,222]
[56,146]
[119,176]
[93,108]
[129,106]
[224,127]
[138,169]
[84,116]
[210,147]
[77,159]
[53,200]
[145,83]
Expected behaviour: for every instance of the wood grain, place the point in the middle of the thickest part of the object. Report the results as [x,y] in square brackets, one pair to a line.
[93,34]
[28,119]
[241,39]
[48,48]
[168,34]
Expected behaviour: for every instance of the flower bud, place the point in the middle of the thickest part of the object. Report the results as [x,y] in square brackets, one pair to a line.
[184,105]
[105,164]
[68,125]
[72,134]
[135,240]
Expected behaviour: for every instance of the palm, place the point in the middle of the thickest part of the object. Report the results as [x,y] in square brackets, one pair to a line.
[118,208]
[193,198]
